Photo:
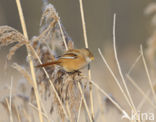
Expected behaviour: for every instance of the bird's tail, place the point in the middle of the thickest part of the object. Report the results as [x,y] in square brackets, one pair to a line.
[48,64]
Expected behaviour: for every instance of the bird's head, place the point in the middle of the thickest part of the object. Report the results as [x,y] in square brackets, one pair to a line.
[88,54]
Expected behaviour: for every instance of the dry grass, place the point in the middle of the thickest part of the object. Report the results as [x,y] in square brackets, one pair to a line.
[53,95]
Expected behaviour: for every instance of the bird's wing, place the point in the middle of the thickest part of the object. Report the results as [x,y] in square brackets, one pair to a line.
[69,56]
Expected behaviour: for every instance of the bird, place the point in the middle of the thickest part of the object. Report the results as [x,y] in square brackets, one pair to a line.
[72,60]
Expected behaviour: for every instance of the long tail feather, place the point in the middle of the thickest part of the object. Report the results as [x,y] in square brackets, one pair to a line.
[47,64]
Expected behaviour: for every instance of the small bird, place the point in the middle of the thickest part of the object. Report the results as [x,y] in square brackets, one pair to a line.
[72,60]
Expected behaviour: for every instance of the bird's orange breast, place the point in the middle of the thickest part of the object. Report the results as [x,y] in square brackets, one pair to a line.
[71,65]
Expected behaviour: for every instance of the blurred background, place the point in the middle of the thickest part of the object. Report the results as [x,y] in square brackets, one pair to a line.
[133,27]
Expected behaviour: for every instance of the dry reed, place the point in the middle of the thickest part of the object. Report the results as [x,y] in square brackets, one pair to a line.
[65,92]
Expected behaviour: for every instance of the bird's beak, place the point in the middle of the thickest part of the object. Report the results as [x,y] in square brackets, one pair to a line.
[92,58]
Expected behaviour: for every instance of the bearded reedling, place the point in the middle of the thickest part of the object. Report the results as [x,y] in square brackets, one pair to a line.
[72,60]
